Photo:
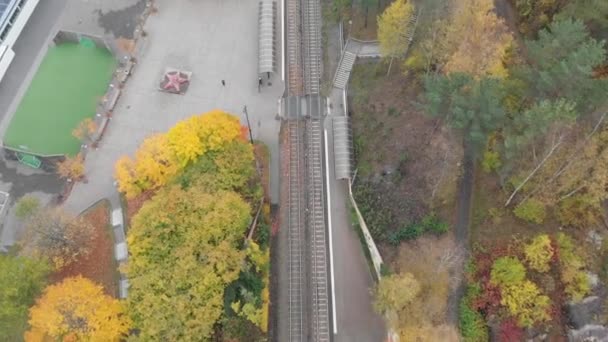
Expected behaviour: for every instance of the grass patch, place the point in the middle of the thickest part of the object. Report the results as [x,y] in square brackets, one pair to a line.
[65,90]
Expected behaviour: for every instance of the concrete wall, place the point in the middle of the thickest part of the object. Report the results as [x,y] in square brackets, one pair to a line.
[369,241]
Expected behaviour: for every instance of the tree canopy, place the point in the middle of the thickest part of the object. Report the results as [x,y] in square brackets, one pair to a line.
[393,25]
[77,310]
[561,64]
[184,247]
[162,156]
[470,105]
[476,40]
[56,235]
[21,281]
[594,12]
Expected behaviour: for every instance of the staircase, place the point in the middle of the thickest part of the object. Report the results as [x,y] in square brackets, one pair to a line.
[343,73]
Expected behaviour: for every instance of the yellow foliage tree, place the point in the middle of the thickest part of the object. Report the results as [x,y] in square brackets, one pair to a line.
[539,253]
[153,166]
[124,173]
[477,40]
[393,28]
[77,310]
[217,128]
[526,303]
[71,168]
[184,251]
[184,141]
[162,156]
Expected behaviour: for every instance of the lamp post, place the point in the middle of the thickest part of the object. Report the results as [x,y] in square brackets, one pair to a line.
[248,124]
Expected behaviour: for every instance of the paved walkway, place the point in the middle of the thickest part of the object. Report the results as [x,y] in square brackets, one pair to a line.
[215,40]
[356,319]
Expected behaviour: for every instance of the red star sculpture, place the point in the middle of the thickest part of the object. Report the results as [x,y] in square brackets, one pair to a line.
[174,80]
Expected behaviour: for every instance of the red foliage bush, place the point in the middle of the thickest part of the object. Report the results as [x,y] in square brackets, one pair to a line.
[489,299]
[509,331]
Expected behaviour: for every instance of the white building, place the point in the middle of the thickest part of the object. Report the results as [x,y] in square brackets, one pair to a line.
[13,16]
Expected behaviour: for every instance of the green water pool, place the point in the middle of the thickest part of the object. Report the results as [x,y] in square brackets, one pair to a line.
[69,83]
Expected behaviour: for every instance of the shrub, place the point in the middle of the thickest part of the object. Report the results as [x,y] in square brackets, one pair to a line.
[531,210]
[577,284]
[491,161]
[526,303]
[433,224]
[539,253]
[572,269]
[429,224]
[509,331]
[471,322]
[507,271]
[26,206]
[578,211]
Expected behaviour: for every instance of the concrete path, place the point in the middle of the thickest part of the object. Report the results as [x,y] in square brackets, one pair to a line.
[356,319]
[215,40]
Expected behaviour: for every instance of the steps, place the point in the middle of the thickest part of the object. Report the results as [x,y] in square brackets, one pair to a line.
[343,73]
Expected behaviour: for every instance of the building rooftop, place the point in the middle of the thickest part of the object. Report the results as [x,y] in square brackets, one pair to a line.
[6,9]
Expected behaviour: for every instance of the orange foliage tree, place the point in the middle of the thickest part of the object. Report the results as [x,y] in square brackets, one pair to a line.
[71,168]
[162,156]
[85,129]
[77,310]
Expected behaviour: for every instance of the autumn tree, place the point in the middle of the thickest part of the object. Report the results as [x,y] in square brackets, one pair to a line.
[539,253]
[162,156]
[572,268]
[507,271]
[561,63]
[393,26]
[58,236]
[77,310]
[526,303]
[184,251]
[415,298]
[71,168]
[85,130]
[472,106]
[476,40]
[21,281]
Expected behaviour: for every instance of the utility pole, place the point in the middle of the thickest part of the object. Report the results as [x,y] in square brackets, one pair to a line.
[248,124]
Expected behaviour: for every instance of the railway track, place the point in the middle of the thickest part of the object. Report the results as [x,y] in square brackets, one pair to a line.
[309,297]
[296,234]
[319,322]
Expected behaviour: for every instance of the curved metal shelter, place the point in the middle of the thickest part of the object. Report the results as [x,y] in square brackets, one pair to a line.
[267,29]
[343,147]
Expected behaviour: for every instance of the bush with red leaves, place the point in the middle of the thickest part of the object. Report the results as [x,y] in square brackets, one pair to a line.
[509,331]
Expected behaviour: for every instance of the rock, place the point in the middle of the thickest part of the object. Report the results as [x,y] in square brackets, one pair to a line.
[585,312]
[388,170]
[593,279]
[589,333]
[595,239]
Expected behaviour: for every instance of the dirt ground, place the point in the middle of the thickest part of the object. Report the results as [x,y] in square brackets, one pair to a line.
[410,161]
[99,265]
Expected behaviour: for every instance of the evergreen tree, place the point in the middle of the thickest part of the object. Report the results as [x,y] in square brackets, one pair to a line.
[472,106]
[561,63]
